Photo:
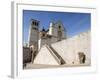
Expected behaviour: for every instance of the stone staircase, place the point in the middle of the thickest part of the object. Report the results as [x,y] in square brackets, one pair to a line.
[55,54]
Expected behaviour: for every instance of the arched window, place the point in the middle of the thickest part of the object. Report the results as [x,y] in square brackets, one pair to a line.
[59,27]
[43,35]
[33,23]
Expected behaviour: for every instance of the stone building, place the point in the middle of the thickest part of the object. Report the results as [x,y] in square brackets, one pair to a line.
[38,38]
[52,47]
[33,33]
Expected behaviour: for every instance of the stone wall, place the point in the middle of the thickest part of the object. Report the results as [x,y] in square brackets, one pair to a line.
[70,48]
[26,55]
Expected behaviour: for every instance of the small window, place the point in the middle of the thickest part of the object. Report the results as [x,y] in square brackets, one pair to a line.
[59,27]
[43,35]
[37,24]
[33,23]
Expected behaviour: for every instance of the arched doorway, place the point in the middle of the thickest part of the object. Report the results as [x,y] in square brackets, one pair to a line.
[82,57]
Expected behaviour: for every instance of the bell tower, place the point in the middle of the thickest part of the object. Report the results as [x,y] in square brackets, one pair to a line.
[34,33]
[61,34]
[57,31]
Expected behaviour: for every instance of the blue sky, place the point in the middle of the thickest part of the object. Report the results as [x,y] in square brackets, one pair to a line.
[74,23]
